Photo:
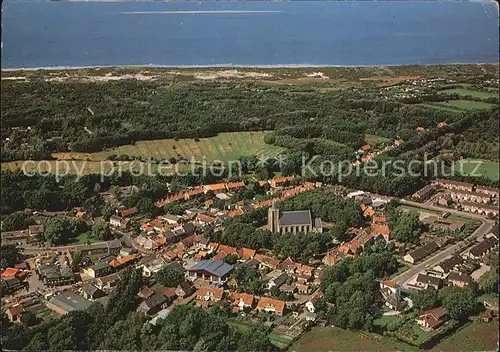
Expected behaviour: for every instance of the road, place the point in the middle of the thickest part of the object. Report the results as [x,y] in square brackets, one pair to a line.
[125,237]
[482,230]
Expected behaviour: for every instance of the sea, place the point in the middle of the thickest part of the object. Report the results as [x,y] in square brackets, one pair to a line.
[255,33]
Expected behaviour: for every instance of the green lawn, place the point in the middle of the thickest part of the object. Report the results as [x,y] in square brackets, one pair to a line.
[336,339]
[437,106]
[467,104]
[462,92]
[373,140]
[487,169]
[417,209]
[477,336]
[223,147]
[84,238]
[385,319]
[457,106]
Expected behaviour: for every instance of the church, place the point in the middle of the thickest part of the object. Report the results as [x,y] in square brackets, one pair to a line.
[292,221]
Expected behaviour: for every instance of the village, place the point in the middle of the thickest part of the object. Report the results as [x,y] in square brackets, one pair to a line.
[180,264]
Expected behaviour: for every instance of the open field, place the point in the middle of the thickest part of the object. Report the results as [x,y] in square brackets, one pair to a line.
[336,339]
[223,147]
[428,212]
[84,238]
[457,106]
[466,92]
[373,140]
[468,104]
[487,169]
[436,106]
[477,336]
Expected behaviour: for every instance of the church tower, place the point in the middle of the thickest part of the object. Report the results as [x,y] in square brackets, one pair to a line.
[273,216]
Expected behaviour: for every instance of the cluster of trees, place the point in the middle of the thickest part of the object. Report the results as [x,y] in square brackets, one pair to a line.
[55,193]
[169,277]
[406,226]
[10,255]
[60,230]
[18,220]
[118,327]
[459,302]
[351,284]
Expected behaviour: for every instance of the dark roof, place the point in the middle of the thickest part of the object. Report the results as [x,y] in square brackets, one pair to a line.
[100,266]
[189,227]
[317,223]
[204,241]
[110,278]
[147,259]
[424,251]
[366,200]
[252,262]
[155,300]
[11,281]
[431,280]
[280,280]
[482,247]
[70,301]
[300,217]
[455,276]
[213,267]
[186,286]
[90,289]
[66,271]
[422,192]
[169,234]
[450,263]
[114,244]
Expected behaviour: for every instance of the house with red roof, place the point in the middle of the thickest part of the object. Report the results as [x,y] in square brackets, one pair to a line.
[280,181]
[127,212]
[12,272]
[271,305]
[246,253]
[235,185]
[209,294]
[14,312]
[215,187]
[242,300]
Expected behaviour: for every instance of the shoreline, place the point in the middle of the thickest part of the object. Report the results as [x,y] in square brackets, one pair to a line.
[229,66]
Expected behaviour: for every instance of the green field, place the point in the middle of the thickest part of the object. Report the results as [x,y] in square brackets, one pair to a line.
[336,339]
[487,169]
[467,104]
[84,238]
[462,92]
[438,106]
[373,140]
[457,106]
[477,336]
[223,147]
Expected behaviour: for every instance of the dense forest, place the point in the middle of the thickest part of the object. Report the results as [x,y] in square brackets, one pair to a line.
[42,117]
[315,126]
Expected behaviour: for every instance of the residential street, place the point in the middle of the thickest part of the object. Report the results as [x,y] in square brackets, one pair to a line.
[482,230]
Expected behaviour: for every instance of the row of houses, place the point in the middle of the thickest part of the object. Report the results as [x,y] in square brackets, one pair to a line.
[216,188]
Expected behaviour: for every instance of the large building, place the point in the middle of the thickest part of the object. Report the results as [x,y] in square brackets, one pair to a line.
[292,221]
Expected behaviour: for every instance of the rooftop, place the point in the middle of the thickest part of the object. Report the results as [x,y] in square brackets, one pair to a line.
[299,217]
[70,301]
[213,267]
